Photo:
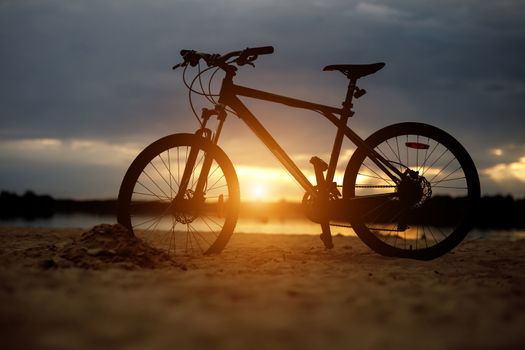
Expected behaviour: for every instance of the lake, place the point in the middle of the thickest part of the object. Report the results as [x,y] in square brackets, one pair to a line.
[246,225]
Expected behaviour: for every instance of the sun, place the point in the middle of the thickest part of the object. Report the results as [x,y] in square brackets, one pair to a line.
[258,192]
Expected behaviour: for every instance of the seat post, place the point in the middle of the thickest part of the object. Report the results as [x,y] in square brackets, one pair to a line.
[347,104]
[338,141]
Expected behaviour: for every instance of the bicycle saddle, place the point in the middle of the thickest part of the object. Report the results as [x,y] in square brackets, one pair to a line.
[355,71]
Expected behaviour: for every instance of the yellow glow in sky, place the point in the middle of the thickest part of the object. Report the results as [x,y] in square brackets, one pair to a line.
[266,184]
[259,192]
[272,183]
[508,171]
[497,152]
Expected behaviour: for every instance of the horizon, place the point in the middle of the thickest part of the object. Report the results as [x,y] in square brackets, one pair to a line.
[256,201]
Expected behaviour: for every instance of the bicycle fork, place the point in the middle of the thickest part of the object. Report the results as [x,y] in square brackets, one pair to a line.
[198,194]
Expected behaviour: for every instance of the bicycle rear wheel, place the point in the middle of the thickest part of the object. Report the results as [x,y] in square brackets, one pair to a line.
[153,205]
[429,212]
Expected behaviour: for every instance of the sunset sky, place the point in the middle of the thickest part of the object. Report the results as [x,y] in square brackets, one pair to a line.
[85,85]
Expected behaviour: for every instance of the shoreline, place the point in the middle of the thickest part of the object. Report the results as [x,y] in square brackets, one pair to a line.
[265,291]
[290,226]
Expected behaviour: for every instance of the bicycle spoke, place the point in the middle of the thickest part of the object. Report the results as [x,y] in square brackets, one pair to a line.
[212,187]
[151,192]
[154,183]
[152,219]
[169,172]
[192,232]
[425,157]
[387,180]
[371,176]
[410,225]
[428,157]
[432,233]
[151,195]
[182,224]
[462,178]
[172,243]
[200,234]
[444,178]
[171,177]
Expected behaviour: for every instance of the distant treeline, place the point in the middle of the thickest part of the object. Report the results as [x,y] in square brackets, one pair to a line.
[32,206]
[493,211]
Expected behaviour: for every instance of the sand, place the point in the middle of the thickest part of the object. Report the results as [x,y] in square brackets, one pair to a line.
[262,292]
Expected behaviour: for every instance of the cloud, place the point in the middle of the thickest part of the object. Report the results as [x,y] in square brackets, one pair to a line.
[79,168]
[507,163]
[504,172]
[63,75]
[381,11]
[100,70]
[73,151]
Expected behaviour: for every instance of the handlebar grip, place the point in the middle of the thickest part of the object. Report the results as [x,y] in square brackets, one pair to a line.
[263,50]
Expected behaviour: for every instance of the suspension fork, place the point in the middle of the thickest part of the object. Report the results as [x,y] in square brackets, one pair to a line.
[205,134]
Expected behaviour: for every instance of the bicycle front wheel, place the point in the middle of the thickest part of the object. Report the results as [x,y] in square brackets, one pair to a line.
[427,212]
[154,203]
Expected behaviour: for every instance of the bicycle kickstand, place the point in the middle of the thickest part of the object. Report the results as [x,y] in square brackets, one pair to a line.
[320,167]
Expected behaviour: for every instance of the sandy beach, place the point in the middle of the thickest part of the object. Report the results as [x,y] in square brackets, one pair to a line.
[262,292]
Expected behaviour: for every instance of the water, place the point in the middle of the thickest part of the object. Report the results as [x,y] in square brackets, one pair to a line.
[77,220]
[86,221]
[245,225]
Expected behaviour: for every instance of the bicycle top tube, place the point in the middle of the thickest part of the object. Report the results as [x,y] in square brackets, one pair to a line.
[228,61]
[239,90]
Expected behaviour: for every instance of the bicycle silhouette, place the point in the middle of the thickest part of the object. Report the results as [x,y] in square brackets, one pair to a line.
[409,190]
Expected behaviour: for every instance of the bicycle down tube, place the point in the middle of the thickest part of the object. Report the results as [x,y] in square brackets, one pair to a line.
[229,93]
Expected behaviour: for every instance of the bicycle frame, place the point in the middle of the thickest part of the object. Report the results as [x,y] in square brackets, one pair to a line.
[229,97]
[193,192]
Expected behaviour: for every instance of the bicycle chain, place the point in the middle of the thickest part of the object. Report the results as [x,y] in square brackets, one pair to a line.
[372,186]
[370,228]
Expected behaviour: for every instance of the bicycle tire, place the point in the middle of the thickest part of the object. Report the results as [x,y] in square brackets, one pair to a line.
[423,230]
[151,184]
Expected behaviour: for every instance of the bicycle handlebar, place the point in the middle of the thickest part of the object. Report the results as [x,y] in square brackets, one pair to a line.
[246,56]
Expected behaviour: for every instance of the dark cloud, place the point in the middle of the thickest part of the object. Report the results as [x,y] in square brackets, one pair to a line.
[101,69]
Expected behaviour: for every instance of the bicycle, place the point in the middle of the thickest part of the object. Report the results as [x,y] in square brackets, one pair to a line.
[409,190]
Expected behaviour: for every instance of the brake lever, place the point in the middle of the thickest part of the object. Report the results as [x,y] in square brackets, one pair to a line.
[182,64]
[187,57]
[242,60]
[250,59]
